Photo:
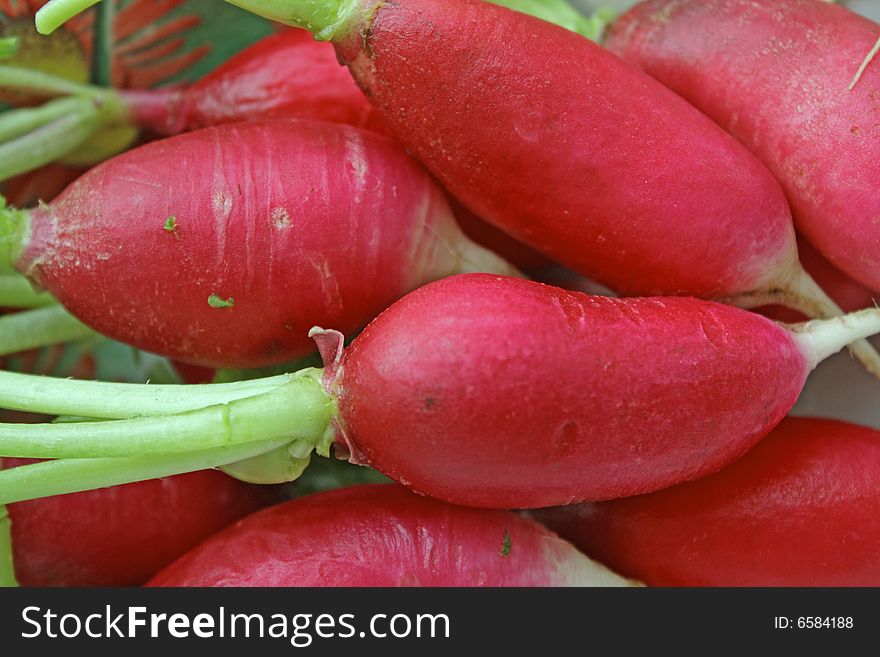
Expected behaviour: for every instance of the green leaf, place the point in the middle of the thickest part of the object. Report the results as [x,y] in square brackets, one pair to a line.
[216,301]
[505,545]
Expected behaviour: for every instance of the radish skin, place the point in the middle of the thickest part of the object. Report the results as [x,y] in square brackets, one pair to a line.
[384,536]
[222,247]
[479,390]
[123,535]
[800,509]
[819,140]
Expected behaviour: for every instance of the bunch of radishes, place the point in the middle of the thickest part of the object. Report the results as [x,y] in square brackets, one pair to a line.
[675,159]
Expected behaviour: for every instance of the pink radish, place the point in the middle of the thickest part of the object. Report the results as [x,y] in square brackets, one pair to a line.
[801,509]
[222,247]
[122,536]
[479,390]
[384,536]
[796,81]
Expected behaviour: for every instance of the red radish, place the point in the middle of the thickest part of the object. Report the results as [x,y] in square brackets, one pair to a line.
[122,536]
[222,247]
[797,83]
[285,75]
[479,390]
[801,509]
[502,393]
[384,536]
[847,293]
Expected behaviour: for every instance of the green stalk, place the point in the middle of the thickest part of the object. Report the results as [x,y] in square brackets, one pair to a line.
[7,568]
[15,123]
[17,292]
[15,226]
[75,475]
[35,136]
[50,141]
[299,411]
[41,327]
[325,18]
[279,466]
[55,13]
[41,84]
[102,44]
[113,401]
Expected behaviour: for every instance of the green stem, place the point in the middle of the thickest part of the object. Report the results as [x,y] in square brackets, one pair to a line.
[49,142]
[41,84]
[55,13]
[299,411]
[74,475]
[17,292]
[7,568]
[279,466]
[42,327]
[315,15]
[15,228]
[326,18]
[113,401]
[102,44]
[17,122]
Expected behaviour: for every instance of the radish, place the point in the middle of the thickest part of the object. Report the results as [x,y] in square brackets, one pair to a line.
[123,535]
[796,81]
[566,147]
[801,509]
[285,75]
[479,390]
[222,247]
[384,536]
